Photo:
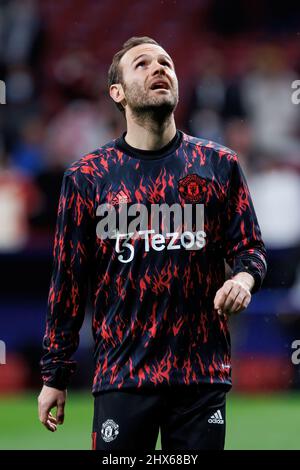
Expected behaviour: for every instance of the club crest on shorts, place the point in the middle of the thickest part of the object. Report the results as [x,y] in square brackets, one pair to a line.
[192,188]
[110,430]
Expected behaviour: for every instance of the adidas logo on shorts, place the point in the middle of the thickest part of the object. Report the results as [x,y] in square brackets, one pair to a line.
[216,418]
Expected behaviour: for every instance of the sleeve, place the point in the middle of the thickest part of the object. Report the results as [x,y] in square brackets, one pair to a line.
[244,248]
[68,285]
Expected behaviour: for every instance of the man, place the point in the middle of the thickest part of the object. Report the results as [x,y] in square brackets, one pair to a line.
[162,346]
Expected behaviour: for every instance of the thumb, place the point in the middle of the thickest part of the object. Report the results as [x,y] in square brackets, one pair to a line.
[217,299]
[60,414]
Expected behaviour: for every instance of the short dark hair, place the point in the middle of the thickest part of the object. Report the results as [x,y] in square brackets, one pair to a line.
[115,72]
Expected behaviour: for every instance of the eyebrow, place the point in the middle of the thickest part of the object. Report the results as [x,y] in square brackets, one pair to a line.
[161,55]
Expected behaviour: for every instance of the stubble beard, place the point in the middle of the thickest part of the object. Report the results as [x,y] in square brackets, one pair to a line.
[146,108]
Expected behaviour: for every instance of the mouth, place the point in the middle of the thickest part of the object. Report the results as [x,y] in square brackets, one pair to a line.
[160,85]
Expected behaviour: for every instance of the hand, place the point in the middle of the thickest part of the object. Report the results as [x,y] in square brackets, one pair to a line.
[234,296]
[48,399]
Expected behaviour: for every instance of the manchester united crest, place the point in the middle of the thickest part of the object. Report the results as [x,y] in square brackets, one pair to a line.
[110,430]
[192,188]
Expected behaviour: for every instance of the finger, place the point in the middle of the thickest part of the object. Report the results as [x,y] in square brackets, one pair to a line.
[50,426]
[219,310]
[43,413]
[245,304]
[222,294]
[52,418]
[46,417]
[238,303]
[60,414]
[230,299]
[219,298]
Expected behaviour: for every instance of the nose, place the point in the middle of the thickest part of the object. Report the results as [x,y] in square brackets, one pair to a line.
[158,68]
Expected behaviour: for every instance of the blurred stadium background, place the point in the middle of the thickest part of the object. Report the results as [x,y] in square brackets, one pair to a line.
[236,61]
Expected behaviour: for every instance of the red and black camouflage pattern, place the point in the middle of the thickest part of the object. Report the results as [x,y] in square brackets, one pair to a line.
[154,322]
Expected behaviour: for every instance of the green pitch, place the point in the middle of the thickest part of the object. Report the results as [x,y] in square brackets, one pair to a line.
[253,422]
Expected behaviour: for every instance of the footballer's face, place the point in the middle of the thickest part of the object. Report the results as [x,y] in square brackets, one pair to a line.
[149,81]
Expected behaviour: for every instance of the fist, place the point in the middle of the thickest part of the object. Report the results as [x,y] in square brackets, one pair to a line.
[233,297]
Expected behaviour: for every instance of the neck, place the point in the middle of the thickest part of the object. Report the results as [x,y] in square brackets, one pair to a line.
[150,134]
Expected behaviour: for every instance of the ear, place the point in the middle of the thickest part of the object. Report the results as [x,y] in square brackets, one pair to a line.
[117,93]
